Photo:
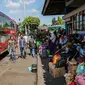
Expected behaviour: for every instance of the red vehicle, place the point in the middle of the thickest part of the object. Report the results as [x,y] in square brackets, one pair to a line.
[8,27]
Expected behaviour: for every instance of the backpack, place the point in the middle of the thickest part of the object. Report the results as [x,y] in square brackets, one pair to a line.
[60,63]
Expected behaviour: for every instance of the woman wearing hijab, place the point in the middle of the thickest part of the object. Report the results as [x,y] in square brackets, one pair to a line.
[52,43]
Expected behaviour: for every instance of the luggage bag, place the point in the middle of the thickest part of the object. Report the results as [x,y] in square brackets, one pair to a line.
[56,72]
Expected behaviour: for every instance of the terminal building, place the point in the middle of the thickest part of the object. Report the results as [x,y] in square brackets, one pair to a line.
[73,11]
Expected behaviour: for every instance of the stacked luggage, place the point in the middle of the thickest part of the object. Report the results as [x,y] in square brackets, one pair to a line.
[72,68]
[57,70]
[68,61]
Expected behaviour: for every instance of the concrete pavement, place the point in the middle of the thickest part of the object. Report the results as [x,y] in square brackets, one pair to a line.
[17,73]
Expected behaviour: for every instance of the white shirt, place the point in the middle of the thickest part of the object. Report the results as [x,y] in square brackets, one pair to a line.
[26,39]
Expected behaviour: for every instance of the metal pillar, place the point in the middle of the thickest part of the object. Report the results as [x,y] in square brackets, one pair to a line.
[25,16]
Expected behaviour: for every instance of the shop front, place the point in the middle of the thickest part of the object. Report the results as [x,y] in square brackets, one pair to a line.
[68,23]
[76,20]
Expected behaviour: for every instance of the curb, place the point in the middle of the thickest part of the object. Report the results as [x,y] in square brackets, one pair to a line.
[40,79]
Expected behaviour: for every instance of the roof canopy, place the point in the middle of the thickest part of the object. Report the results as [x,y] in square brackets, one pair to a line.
[58,7]
[53,7]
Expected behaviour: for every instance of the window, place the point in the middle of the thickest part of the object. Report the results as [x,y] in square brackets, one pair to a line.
[84,15]
[80,18]
[74,22]
[81,25]
[84,25]
[5,23]
[78,22]
[84,20]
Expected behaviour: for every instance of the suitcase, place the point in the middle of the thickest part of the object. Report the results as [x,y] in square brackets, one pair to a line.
[56,72]
[80,79]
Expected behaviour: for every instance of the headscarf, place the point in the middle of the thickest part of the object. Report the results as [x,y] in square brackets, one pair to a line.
[53,37]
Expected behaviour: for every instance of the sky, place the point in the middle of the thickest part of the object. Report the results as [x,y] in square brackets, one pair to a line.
[15,10]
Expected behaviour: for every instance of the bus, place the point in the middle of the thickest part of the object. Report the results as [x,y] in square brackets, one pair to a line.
[8,27]
[55,27]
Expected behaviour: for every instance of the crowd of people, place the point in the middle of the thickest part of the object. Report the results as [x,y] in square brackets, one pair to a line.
[67,56]
[22,43]
[61,47]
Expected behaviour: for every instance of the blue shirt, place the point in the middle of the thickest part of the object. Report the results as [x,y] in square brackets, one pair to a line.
[22,42]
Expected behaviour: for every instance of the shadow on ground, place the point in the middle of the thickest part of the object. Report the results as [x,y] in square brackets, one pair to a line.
[3,55]
[49,80]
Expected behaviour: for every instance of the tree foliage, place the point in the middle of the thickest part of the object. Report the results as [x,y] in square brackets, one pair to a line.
[54,21]
[44,25]
[60,21]
[33,22]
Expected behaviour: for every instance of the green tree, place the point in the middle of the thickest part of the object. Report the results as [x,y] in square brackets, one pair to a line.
[25,22]
[33,22]
[60,21]
[54,22]
[44,25]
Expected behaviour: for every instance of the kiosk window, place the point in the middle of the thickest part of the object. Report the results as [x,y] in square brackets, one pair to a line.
[78,22]
[84,20]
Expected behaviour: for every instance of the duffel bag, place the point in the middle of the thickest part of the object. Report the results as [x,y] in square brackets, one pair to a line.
[80,79]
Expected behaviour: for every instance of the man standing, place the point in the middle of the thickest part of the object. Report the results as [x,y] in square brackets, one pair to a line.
[22,44]
[11,48]
[32,46]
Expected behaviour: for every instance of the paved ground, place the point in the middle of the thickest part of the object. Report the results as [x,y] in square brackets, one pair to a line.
[17,73]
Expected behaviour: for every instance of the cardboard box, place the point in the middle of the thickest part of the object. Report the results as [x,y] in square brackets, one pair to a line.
[56,72]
